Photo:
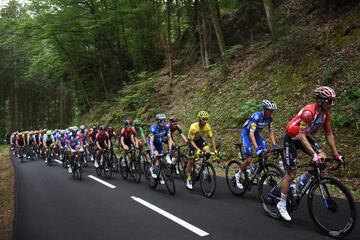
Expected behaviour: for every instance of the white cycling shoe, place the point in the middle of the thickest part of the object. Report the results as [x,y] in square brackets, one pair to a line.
[283,211]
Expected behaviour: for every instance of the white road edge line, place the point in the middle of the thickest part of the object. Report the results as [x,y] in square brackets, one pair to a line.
[58,161]
[179,221]
[101,181]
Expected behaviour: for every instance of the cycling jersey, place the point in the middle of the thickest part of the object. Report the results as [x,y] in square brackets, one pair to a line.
[74,141]
[127,132]
[174,127]
[62,140]
[257,122]
[139,132]
[93,134]
[82,136]
[195,132]
[48,140]
[308,121]
[20,140]
[159,134]
[101,138]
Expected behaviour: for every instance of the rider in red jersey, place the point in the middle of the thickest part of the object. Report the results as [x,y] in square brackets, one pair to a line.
[307,122]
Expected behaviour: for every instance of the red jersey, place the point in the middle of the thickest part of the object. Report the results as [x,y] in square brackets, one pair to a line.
[102,137]
[308,121]
[174,127]
[127,132]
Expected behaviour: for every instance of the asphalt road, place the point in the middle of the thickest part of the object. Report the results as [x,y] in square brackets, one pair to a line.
[50,205]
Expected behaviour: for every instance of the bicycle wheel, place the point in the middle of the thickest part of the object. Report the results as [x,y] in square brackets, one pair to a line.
[108,167]
[150,180]
[208,179]
[181,163]
[143,160]
[168,177]
[232,168]
[115,163]
[269,192]
[123,168]
[274,168]
[332,208]
[135,170]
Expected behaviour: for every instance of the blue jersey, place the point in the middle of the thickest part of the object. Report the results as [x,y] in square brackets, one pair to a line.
[159,134]
[62,140]
[74,141]
[257,122]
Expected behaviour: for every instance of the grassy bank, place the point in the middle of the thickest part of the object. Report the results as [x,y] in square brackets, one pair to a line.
[6,194]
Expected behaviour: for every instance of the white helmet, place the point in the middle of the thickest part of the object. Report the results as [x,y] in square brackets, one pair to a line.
[269,105]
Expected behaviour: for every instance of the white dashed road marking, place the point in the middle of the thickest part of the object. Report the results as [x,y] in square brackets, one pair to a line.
[102,182]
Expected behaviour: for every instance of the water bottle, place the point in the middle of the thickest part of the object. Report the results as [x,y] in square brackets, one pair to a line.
[302,179]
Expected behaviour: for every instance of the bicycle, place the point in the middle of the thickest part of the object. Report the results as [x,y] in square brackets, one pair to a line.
[77,164]
[253,172]
[178,166]
[325,205]
[131,166]
[205,173]
[31,152]
[48,154]
[105,164]
[164,173]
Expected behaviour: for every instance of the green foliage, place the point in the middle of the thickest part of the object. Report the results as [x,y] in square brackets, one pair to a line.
[245,111]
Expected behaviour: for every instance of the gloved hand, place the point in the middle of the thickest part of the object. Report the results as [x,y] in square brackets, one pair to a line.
[72,150]
[216,153]
[152,157]
[198,151]
[340,158]
[317,159]
[259,151]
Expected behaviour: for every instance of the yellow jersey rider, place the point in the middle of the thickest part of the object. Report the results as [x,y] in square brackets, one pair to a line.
[197,143]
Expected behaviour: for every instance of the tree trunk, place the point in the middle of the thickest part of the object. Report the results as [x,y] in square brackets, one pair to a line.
[178,16]
[168,36]
[205,36]
[269,10]
[216,23]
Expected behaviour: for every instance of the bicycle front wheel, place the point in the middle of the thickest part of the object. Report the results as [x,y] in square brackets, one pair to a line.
[181,163]
[208,179]
[135,170]
[167,174]
[332,208]
[231,169]
[108,168]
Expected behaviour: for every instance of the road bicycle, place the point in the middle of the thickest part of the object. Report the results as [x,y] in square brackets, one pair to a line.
[77,164]
[204,172]
[178,166]
[252,174]
[330,204]
[105,164]
[130,165]
[163,172]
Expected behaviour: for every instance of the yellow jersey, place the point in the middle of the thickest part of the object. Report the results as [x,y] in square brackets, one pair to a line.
[195,132]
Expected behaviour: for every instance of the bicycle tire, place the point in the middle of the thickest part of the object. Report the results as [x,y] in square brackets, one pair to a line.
[143,159]
[152,183]
[115,163]
[123,169]
[269,193]
[181,163]
[208,175]
[231,168]
[108,167]
[135,170]
[332,206]
[168,177]
[274,167]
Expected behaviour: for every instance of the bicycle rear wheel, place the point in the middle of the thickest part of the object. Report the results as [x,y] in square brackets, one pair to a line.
[168,177]
[108,167]
[231,169]
[332,208]
[181,163]
[150,180]
[269,192]
[208,179]
[123,168]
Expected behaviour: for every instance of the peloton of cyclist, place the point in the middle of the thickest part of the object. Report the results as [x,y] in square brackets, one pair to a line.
[140,135]
[250,135]
[197,143]
[307,122]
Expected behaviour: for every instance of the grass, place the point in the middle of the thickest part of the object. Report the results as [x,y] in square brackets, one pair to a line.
[6,194]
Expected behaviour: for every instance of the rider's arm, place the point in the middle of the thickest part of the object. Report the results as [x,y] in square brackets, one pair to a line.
[122,142]
[169,139]
[331,141]
[213,143]
[184,137]
[252,139]
[152,144]
[306,144]
[134,141]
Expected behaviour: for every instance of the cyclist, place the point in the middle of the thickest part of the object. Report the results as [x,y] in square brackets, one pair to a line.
[48,141]
[308,121]
[175,127]
[20,142]
[112,134]
[127,137]
[102,141]
[157,134]
[31,141]
[140,136]
[74,144]
[197,143]
[61,142]
[250,135]
[83,136]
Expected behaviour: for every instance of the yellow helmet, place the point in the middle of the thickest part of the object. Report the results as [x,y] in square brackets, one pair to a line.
[203,114]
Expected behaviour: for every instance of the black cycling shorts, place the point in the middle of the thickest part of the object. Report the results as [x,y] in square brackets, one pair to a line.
[200,143]
[291,146]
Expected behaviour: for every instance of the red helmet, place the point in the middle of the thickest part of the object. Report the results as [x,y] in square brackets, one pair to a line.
[128,123]
[173,118]
[324,92]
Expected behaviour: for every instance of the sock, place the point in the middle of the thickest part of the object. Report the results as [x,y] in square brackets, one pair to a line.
[283,199]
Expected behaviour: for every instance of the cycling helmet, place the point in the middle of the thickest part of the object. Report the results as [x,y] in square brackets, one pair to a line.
[62,132]
[203,114]
[173,118]
[101,128]
[137,122]
[128,122]
[48,133]
[75,129]
[110,129]
[160,116]
[269,105]
[325,93]
[82,127]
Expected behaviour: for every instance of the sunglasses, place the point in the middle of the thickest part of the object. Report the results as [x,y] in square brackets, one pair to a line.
[204,119]
[330,101]
[162,121]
